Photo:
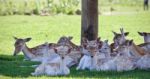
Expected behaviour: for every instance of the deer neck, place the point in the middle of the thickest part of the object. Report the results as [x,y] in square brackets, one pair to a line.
[137,51]
[26,51]
[62,65]
[146,39]
[93,62]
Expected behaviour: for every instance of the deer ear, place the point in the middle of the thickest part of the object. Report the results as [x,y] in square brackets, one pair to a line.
[84,40]
[114,33]
[15,37]
[130,42]
[69,50]
[27,39]
[70,37]
[140,33]
[126,33]
[106,41]
[98,39]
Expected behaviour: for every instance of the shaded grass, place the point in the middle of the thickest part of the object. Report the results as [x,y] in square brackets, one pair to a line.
[38,27]
[12,69]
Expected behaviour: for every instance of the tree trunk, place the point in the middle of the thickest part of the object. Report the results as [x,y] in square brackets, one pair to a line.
[89,25]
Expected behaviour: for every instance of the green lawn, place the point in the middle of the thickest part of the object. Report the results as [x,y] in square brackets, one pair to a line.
[38,27]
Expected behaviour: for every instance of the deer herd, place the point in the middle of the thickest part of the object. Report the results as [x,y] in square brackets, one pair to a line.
[57,58]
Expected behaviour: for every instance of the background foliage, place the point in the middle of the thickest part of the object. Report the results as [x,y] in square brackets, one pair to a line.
[70,7]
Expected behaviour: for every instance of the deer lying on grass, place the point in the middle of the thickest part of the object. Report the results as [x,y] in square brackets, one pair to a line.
[144,62]
[89,59]
[139,56]
[34,54]
[54,68]
[118,39]
[146,44]
[123,61]
[146,36]
[75,53]
[103,56]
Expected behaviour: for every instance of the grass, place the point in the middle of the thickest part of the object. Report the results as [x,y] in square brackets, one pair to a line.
[38,27]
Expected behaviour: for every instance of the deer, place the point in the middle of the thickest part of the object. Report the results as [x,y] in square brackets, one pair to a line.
[54,68]
[75,51]
[146,44]
[146,36]
[118,39]
[34,54]
[124,60]
[89,58]
[105,48]
[103,56]
[144,62]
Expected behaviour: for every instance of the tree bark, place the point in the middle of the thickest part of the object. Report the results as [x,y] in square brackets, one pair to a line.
[89,25]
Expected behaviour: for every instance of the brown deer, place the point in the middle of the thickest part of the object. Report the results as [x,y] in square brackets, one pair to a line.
[146,44]
[89,59]
[146,36]
[34,54]
[118,39]
[126,57]
[54,68]
[75,51]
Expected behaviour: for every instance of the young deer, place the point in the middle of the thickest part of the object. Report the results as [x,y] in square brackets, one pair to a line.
[54,68]
[103,56]
[89,49]
[146,36]
[146,44]
[76,50]
[118,38]
[34,54]
[144,62]
[105,48]
[123,61]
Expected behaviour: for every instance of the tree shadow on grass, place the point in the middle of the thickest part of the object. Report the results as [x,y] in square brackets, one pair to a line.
[10,67]
[13,66]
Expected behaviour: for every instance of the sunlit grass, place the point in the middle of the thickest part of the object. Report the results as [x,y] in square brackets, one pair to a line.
[38,27]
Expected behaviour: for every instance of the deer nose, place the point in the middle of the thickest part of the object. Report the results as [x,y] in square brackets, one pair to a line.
[91,56]
[63,57]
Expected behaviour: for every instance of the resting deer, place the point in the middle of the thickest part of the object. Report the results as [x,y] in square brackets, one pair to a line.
[75,51]
[105,48]
[123,61]
[144,62]
[104,55]
[33,54]
[57,67]
[89,49]
[146,44]
[118,39]
[146,36]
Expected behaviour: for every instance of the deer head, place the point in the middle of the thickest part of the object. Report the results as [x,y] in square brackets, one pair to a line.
[91,46]
[62,50]
[105,47]
[19,44]
[124,49]
[119,38]
[145,35]
[64,40]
